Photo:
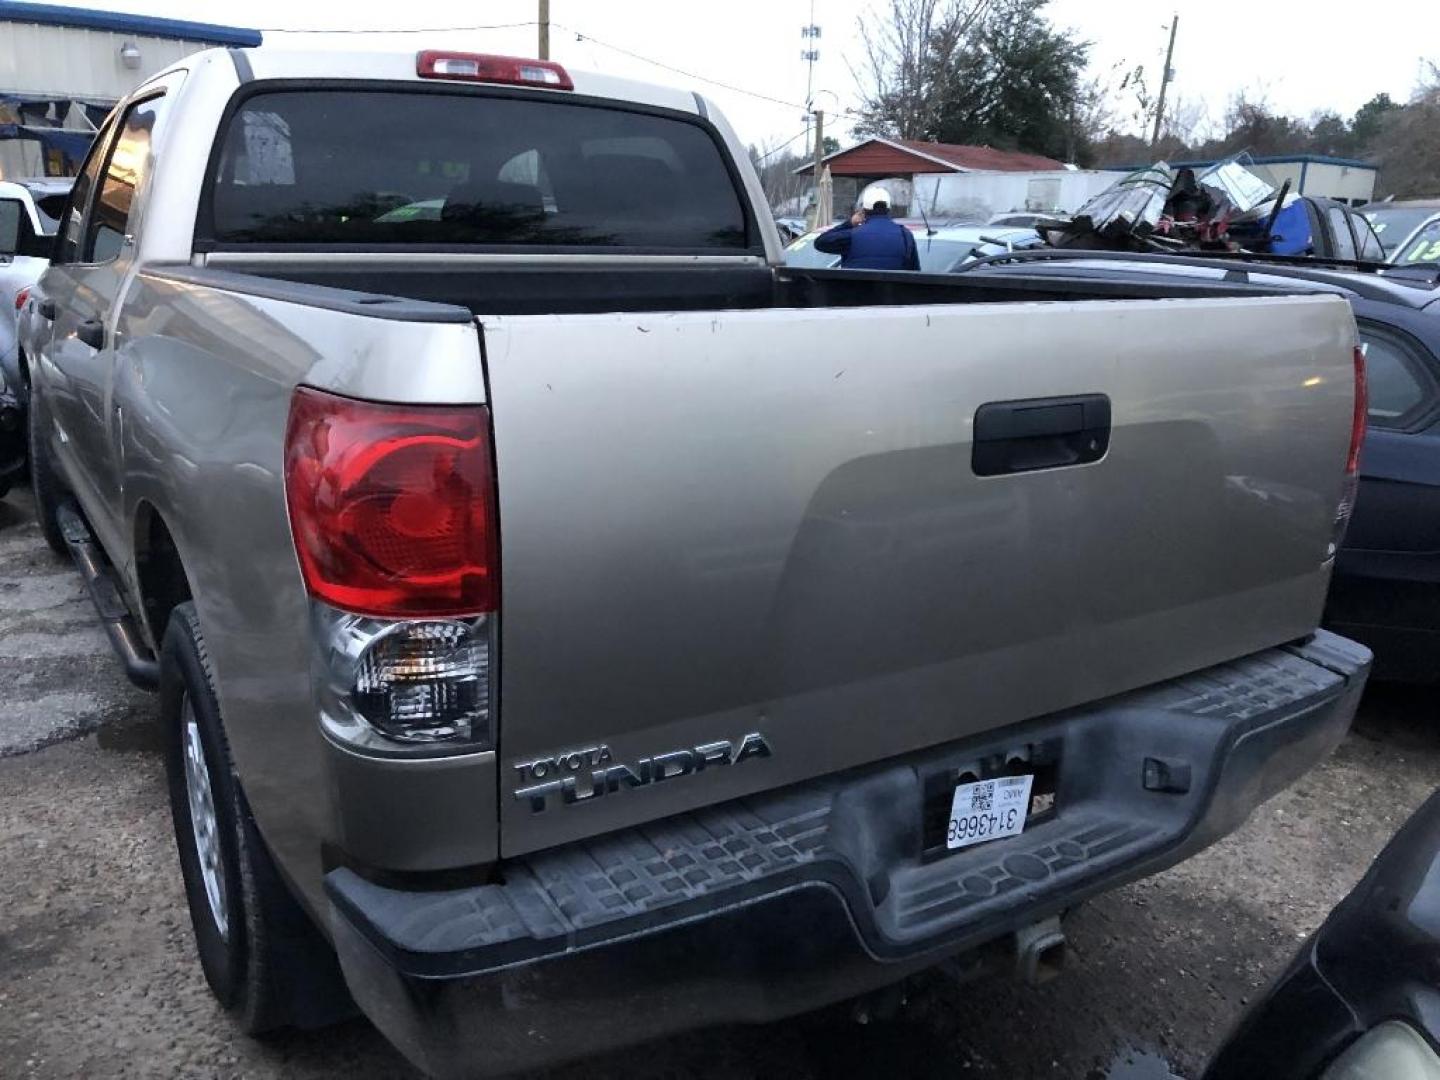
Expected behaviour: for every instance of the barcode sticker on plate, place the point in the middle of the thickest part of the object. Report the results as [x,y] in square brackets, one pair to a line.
[988,810]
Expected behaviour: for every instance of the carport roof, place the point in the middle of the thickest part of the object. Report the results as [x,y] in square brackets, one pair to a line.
[121,23]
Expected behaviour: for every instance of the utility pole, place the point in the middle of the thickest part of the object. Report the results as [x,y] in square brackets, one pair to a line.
[815,168]
[1165,77]
[810,32]
[544,29]
[819,144]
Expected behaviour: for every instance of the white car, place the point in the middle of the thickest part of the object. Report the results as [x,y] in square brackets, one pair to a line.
[1402,225]
[29,215]
[941,249]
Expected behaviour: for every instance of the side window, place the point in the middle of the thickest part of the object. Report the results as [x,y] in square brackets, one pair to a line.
[1339,222]
[1370,246]
[11,214]
[1400,390]
[72,227]
[124,173]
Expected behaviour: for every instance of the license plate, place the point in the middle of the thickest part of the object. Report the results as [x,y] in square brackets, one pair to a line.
[988,810]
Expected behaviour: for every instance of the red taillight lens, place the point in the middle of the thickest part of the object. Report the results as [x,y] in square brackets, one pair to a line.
[1351,486]
[392,506]
[480,67]
[21,297]
[1362,408]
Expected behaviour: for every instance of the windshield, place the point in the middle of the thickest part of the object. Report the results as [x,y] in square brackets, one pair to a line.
[304,167]
[803,252]
[1425,248]
[938,256]
[1392,224]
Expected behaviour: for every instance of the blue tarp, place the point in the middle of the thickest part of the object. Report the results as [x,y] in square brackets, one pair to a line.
[1290,235]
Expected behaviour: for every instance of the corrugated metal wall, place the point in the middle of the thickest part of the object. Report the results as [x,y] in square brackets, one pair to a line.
[37,59]
[77,63]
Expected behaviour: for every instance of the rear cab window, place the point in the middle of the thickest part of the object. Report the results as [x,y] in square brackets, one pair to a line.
[305,168]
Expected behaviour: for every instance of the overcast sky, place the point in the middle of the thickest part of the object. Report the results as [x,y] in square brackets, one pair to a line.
[1300,58]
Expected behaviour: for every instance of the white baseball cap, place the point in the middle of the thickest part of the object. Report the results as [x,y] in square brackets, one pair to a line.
[874,195]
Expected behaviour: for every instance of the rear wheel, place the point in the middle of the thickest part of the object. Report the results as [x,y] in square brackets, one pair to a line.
[45,483]
[263,958]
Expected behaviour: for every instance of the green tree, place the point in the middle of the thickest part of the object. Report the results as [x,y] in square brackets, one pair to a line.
[1329,134]
[1369,122]
[994,74]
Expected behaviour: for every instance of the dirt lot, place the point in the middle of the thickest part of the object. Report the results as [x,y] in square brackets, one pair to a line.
[97,976]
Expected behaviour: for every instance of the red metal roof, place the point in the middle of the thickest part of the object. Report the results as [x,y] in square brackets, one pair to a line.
[886,157]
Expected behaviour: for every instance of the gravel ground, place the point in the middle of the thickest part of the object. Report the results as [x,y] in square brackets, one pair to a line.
[98,976]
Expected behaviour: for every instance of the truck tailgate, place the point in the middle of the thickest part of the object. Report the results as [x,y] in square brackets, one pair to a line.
[724,523]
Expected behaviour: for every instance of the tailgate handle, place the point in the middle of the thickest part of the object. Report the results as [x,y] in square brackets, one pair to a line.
[1040,433]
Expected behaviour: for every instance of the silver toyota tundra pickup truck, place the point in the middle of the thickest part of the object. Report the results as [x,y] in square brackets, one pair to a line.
[572,627]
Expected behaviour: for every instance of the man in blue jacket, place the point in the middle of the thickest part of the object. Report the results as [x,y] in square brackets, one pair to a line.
[870,240]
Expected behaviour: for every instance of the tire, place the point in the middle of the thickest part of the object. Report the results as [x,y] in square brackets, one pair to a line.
[265,961]
[45,483]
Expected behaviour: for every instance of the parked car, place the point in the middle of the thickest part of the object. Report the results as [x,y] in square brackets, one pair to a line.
[1323,228]
[1361,1000]
[941,248]
[1422,249]
[1400,222]
[1024,221]
[28,214]
[843,627]
[1386,587]
[790,228]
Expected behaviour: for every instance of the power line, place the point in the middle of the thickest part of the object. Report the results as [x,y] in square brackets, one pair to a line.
[771,153]
[579,36]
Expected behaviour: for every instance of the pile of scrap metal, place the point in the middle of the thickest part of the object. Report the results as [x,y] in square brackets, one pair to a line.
[1160,208]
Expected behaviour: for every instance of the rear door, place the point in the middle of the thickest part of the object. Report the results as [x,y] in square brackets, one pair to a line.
[96,258]
[715,524]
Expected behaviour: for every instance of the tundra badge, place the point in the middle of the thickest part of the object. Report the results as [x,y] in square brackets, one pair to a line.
[579,775]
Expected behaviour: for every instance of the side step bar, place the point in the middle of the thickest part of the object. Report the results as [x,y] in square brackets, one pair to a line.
[141,667]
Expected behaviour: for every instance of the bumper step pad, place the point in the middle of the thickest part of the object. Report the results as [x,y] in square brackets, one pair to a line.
[1107,828]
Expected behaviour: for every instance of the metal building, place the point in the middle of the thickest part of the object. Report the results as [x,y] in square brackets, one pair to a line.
[1346,179]
[62,68]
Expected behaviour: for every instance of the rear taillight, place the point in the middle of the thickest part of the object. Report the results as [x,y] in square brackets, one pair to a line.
[1351,486]
[482,67]
[1362,408]
[21,297]
[392,506]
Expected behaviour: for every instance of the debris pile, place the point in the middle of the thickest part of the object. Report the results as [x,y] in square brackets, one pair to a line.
[1226,207]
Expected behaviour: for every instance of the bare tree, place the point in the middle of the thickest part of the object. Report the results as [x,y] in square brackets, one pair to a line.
[1408,146]
[776,163]
[904,51]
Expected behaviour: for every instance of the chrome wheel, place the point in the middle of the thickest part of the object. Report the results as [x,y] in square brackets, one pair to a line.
[202,820]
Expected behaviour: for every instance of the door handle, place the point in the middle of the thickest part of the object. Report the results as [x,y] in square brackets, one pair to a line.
[1040,433]
[48,310]
[92,333]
